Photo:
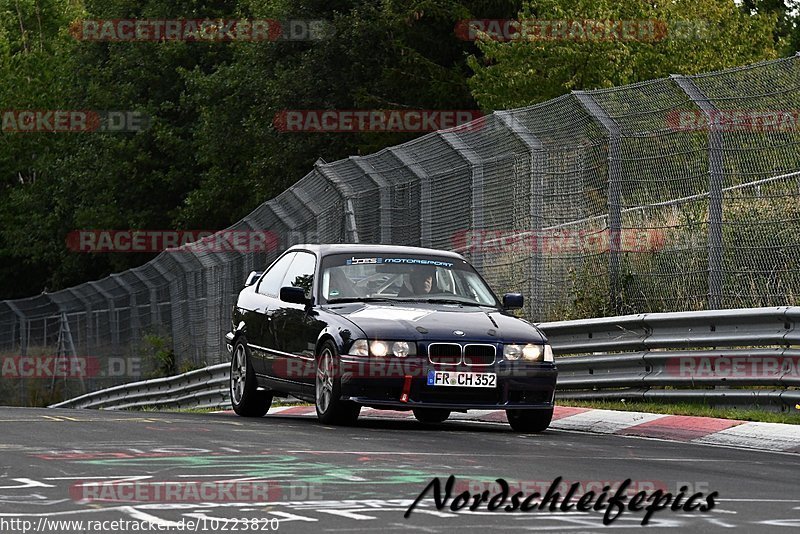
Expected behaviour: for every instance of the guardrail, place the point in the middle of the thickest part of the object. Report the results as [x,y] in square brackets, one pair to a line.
[722,357]
[203,388]
[740,357]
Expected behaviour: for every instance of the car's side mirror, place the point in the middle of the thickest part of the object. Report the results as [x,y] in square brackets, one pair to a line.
[513,301]
[252,278]
[294,295]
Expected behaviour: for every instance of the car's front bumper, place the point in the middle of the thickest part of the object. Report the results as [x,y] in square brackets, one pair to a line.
[520,385]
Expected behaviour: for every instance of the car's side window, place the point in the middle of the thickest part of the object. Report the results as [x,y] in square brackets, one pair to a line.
[270,283]
[301,272]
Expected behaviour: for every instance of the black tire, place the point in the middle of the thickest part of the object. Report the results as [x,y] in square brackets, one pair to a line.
[246,398]
[431,415]
[529,420]
[331,410]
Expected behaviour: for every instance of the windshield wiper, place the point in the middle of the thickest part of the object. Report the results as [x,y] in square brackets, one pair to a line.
[451,301]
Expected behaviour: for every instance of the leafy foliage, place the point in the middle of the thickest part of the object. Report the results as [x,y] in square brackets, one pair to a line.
[695,36]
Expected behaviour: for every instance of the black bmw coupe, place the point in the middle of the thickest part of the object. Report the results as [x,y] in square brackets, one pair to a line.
[400,328]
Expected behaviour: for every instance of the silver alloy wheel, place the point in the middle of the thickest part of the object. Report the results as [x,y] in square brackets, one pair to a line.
[324,380]
[238,374]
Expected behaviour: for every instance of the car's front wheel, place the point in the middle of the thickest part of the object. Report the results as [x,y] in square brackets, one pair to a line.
[431,415]
[330,408]
[529,420]
[246,398]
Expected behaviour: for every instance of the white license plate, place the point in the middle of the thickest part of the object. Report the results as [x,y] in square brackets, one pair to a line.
[462,380]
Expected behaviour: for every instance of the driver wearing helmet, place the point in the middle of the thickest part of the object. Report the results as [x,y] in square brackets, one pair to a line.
[423,282]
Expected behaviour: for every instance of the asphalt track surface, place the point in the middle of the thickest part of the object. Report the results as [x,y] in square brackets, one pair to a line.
[58,464]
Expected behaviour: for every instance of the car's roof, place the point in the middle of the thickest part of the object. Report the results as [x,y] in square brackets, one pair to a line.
[324,250]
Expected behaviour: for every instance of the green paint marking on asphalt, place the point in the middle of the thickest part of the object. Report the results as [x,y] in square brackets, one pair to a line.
[276,466]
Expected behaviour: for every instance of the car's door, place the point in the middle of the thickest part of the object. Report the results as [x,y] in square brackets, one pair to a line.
[260,336]
[297,327]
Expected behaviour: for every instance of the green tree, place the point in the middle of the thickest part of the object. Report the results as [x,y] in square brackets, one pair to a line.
[212,152]
[701,35]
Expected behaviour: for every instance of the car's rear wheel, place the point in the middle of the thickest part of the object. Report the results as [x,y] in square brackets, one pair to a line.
[246,398]
[529,420]
[331,409]
[431,415]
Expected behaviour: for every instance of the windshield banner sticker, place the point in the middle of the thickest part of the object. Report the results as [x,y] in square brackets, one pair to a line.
[417,261]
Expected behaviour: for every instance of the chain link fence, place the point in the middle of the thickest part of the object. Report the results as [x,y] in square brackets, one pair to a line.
[668,195]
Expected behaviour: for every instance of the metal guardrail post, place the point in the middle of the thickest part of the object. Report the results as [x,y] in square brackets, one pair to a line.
[614,191]
[476,169]
[400,154]
[715,178]
[537,164]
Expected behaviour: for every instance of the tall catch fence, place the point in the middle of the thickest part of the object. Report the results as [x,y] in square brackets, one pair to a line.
[675,194]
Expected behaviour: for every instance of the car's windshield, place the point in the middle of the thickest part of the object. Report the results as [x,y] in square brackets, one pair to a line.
[400,277]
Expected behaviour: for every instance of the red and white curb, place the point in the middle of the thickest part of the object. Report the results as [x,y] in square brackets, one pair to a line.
[774,437]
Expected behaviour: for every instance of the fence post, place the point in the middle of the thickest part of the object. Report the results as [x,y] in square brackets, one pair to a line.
[88,315]
[211,267]
[285,217]
[400,154]
[715,176]
[135,325]
[23,328]
[155,313]
[476,170]
[179,342]
[614,192]
[308,201]
[112,314]
[23,344]
[534,145]
[347,192]
[384,194]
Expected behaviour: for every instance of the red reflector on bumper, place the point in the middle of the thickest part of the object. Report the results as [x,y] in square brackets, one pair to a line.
[406,389]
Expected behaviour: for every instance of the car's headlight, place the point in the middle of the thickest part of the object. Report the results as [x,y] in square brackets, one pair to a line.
[359,348]
[402,348]
[380,349]
[512,352]
[531,352]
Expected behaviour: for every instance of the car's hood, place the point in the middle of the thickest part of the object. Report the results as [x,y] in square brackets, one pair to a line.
[437,322]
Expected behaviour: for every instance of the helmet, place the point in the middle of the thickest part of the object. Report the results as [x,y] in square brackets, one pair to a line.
[420,276]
